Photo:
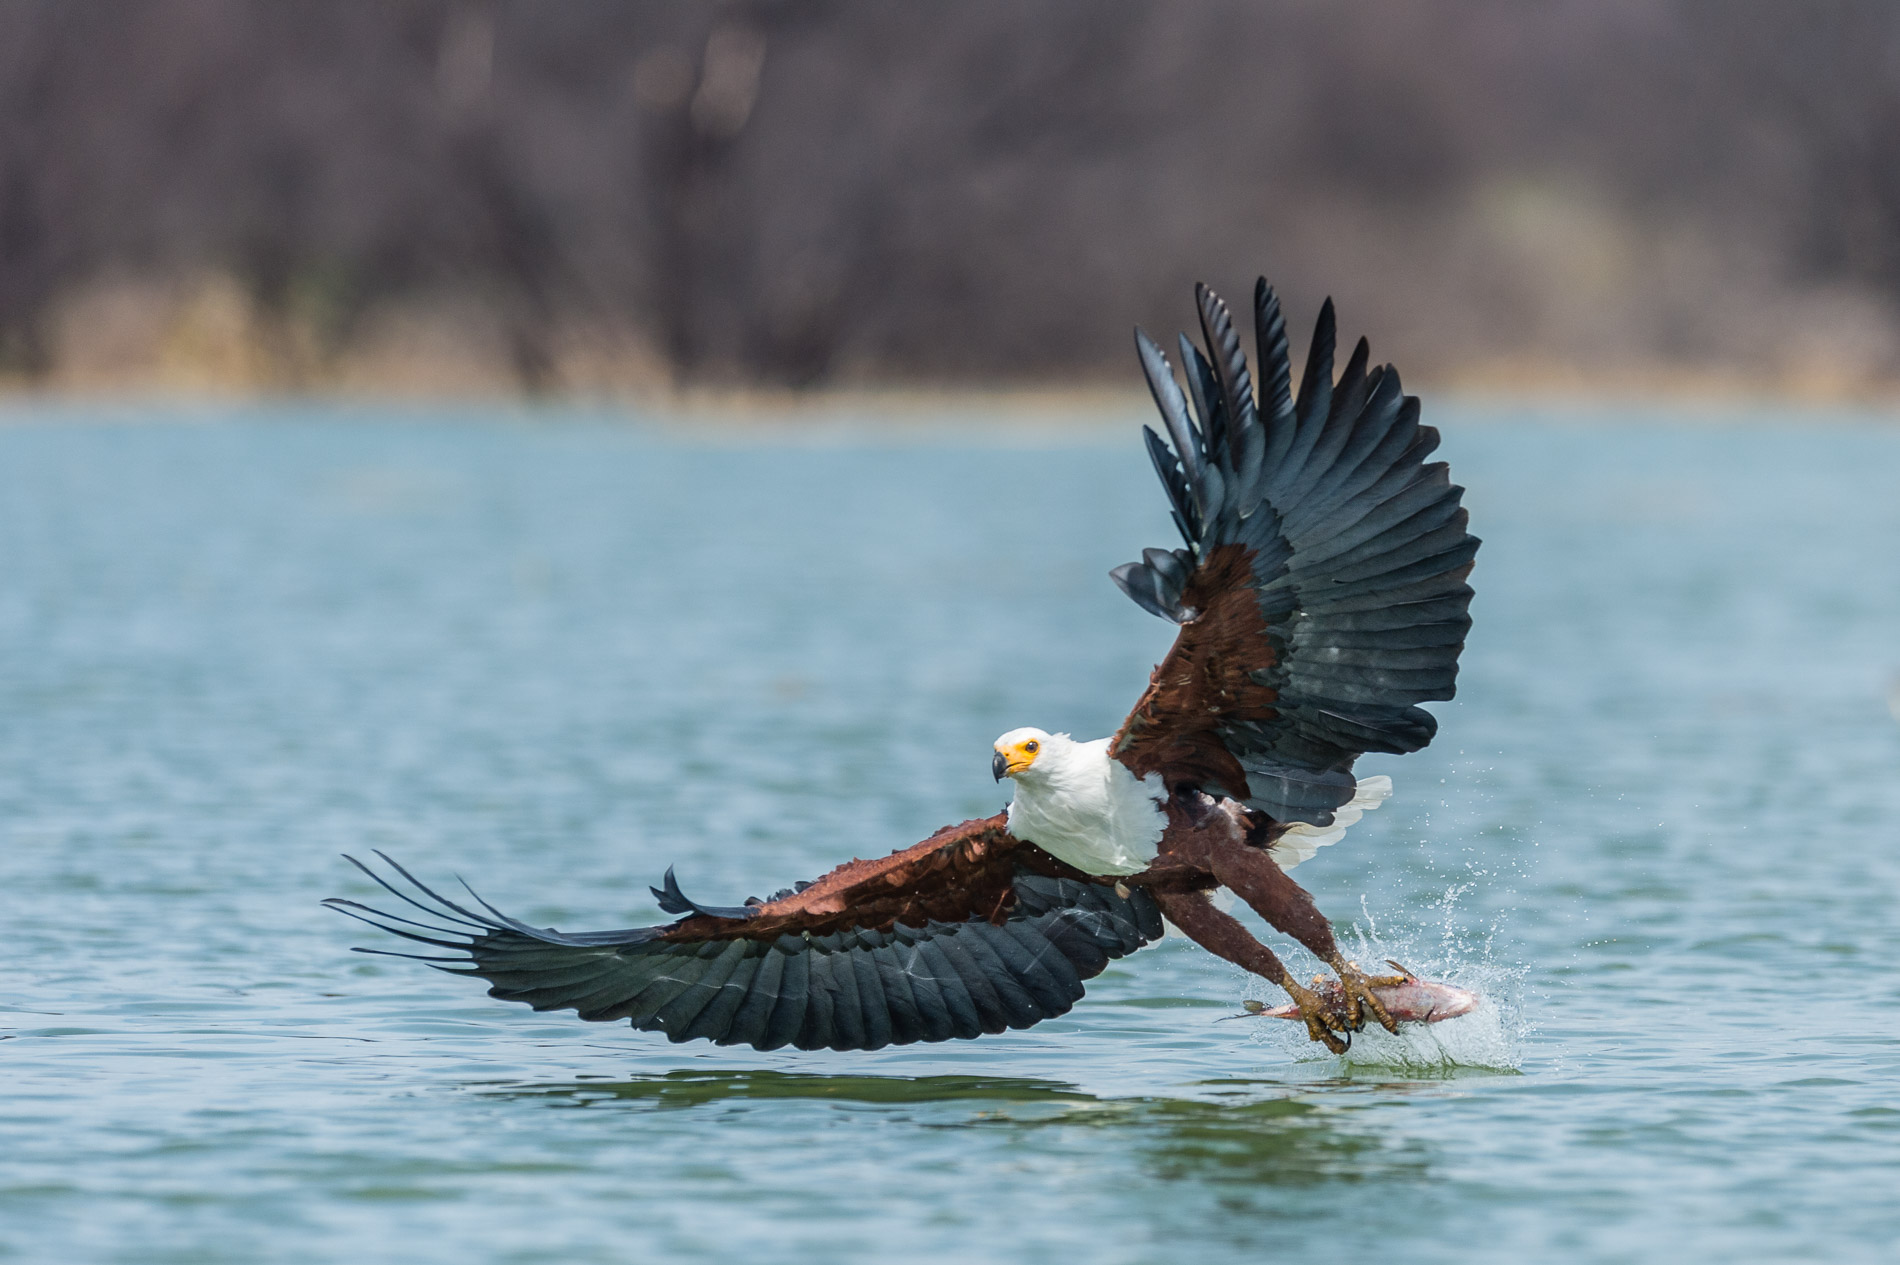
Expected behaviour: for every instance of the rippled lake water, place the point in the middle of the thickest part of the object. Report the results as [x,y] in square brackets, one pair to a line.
[1660,828]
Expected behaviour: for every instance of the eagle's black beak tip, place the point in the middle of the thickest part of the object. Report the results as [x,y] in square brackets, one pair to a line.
[999,765]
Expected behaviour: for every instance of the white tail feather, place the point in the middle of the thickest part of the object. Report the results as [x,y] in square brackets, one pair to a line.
[1300,840]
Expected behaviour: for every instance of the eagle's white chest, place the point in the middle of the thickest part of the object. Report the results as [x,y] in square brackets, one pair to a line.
[1081,806]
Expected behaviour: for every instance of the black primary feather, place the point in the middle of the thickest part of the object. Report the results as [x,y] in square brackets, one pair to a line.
[673,901]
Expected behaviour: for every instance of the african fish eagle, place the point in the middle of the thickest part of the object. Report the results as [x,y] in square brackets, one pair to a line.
[1321,596]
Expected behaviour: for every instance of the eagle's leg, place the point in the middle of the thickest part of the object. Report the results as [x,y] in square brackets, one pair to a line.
[1254,876]
[1222,935]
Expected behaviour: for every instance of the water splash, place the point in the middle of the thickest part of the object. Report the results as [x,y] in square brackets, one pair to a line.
[1492,1037]
[1489,1038]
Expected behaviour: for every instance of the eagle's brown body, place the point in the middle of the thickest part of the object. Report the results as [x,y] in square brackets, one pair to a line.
[967,870]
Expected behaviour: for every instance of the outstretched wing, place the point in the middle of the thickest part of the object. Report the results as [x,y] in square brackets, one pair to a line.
[968,932]
[1322,591]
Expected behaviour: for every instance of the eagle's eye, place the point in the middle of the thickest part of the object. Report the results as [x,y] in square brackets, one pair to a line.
[1031,747]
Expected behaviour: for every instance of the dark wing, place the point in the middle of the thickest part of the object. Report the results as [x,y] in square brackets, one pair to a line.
[971,931]
[1322,591]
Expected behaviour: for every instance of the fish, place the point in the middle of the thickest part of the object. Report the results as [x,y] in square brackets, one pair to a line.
[1406,997]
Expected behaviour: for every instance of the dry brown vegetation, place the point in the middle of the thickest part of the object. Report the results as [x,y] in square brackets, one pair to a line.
[590,195]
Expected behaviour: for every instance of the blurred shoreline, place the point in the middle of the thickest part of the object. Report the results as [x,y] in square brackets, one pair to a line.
[674,202]
[1678,397]
[207,340]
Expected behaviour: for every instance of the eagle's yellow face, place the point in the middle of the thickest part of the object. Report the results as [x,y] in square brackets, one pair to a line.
[1016,751]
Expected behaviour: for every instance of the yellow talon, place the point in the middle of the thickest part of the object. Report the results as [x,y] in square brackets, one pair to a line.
[1356,991]
[1319,1017]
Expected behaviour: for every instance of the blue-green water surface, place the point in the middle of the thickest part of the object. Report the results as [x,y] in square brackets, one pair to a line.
[1660,829]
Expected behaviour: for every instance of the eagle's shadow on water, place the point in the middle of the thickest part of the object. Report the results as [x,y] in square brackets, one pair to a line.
[1239,1133]
[692,1088]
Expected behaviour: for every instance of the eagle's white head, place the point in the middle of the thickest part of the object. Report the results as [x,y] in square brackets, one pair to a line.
[1074,801]
[1027,754]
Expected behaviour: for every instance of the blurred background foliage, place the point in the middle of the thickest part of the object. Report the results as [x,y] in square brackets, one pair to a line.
[601,196]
